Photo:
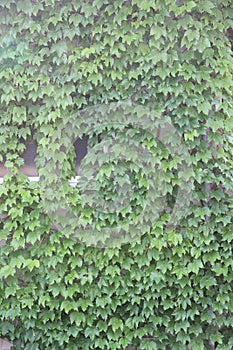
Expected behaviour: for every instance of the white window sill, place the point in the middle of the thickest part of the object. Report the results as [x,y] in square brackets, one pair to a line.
[73,182]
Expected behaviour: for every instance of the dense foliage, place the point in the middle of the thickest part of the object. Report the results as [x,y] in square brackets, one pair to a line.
[168,287]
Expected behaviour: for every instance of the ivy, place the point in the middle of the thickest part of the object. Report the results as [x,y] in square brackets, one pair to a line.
[139,254]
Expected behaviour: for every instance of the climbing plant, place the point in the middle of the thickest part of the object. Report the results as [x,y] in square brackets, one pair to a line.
[95,267]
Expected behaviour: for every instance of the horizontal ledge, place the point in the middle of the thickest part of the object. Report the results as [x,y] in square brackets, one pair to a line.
[73,182]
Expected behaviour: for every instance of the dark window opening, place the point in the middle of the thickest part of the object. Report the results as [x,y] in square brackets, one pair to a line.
[30,153]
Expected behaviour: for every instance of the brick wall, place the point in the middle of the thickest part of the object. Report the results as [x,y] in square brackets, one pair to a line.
[5,345]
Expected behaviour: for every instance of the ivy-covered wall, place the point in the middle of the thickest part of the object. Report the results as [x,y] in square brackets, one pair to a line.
[168,286]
